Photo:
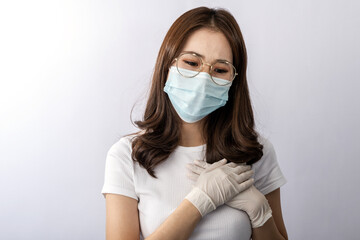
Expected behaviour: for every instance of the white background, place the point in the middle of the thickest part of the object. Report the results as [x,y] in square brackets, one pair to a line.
[70,72]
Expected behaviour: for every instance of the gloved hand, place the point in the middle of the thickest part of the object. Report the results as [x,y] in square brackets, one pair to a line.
[218,183]
[252,201]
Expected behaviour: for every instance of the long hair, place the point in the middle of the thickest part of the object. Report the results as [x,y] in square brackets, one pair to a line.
[229,131]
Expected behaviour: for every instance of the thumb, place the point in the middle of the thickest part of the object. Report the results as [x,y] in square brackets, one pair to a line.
[216,165]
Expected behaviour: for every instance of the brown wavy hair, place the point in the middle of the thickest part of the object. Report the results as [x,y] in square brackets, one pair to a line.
[228,131]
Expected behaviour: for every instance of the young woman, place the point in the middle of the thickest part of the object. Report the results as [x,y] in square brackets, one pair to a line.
[197,169]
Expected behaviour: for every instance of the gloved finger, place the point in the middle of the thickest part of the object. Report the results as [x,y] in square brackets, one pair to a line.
[192,176]
[193,168]
[243,176]
[216,165]
[245,185]
[232,164]
[201,164]
[241,169]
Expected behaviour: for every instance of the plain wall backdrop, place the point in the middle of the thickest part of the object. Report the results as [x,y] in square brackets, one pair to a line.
[70,72]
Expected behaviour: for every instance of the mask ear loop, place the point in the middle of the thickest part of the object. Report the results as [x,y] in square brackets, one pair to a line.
[169,69]
[172,63]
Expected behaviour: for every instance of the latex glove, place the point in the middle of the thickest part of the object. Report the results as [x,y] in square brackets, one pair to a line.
[252,201]
[217,184]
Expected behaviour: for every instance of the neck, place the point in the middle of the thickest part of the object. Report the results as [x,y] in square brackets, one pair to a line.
[191,134]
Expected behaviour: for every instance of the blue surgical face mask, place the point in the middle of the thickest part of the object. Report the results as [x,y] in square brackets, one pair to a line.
[196,97]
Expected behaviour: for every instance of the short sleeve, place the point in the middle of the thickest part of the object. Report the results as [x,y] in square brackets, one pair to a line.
[119,170]
[267,172]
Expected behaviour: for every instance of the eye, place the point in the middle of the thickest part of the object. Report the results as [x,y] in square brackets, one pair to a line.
[190,63]
[220,70]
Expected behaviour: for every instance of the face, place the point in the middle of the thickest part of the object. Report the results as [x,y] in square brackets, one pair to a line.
[210,44]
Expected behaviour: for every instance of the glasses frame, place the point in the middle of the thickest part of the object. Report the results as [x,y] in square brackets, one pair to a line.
[205,63]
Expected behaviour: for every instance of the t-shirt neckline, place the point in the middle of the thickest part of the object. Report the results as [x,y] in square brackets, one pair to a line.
[190,149]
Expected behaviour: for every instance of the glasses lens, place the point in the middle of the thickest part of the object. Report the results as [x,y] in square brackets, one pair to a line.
[223,70]
[188,65]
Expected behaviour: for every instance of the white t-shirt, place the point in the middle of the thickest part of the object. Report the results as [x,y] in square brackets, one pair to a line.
[158,198]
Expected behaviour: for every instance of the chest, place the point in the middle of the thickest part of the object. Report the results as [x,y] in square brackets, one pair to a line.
[158,198]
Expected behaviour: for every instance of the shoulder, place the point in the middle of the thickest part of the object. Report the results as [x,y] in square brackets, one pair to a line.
[268,147]
[267,173]
[122,146]
[268,159]
[119,169]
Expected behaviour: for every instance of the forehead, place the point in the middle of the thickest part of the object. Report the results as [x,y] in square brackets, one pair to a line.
[211,44]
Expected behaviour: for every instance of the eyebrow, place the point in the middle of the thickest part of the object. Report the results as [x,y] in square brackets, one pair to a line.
[223,60]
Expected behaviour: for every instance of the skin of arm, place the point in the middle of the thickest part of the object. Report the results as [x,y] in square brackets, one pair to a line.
[179,225]
[122,213]
[122,218]
[274,228]
[182,222]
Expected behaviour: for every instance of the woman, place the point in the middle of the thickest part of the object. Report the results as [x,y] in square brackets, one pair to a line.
[197,169]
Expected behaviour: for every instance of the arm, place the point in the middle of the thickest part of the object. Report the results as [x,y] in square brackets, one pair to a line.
[122,220]
[216,185]
[274,228]
[180,224]
[256,205]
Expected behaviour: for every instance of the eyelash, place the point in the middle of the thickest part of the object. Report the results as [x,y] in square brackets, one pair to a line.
[194,64]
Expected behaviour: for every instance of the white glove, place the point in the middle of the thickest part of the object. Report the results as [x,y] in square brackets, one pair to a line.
[218,183]
[252,201]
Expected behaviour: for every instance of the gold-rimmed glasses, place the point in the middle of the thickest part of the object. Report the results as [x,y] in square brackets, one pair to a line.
[189,64]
